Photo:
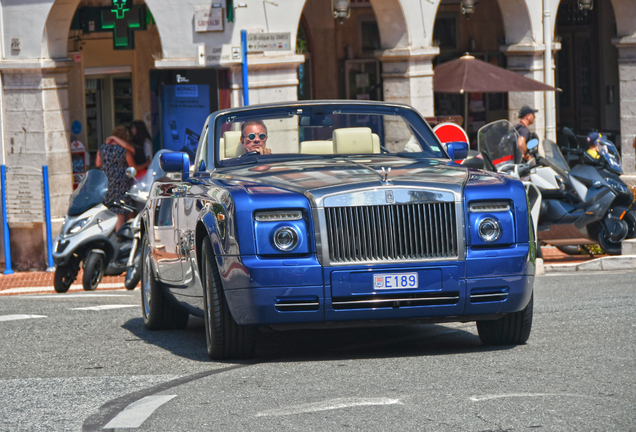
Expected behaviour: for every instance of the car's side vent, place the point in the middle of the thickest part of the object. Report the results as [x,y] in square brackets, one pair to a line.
[397,300]
[297,304]
[488,295]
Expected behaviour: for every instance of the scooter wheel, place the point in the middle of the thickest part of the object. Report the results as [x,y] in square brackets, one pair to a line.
[64,277]
[133,274]
[93,271]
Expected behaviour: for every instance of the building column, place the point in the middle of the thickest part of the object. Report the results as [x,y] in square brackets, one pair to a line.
[627,96]
[527,60]
[407,75]
[271,79]
[36,124]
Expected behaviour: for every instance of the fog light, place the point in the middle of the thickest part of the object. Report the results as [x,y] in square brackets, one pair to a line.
[489,230]
[285,239]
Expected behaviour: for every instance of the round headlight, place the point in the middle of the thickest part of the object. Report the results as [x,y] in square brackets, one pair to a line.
[489,230]
[285,239]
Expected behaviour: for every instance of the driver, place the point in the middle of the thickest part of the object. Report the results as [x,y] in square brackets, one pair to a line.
[254,137]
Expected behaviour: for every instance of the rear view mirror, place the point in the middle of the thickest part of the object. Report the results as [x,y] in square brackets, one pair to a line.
[315,121]
[532,144]
[131,172]
[457,149]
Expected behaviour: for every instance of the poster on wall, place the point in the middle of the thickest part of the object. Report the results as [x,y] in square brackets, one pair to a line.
[185,108]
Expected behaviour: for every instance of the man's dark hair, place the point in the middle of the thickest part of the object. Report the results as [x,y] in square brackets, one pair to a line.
[252,122]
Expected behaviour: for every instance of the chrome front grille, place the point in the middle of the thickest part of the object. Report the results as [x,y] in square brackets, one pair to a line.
[391,232]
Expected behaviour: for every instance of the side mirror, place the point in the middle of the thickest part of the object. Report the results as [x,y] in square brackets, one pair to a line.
[176,162]
[131,172]
[532,144]
[457,150]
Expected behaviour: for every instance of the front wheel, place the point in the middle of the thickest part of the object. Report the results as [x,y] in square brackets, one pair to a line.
[133,274]
[93,271]
[512,329]
[65,275]
[225,338]
[158,313]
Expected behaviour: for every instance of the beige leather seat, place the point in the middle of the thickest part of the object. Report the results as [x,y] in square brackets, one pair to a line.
[376,143]
[230,144]
[353,141]
[316,147]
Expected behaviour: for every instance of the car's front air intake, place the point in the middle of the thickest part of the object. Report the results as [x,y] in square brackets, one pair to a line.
[391,232]
[396,300]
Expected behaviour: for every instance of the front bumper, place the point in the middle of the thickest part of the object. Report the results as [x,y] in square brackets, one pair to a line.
[448,291]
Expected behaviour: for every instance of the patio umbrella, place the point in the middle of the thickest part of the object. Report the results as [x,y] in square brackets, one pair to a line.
[470,75]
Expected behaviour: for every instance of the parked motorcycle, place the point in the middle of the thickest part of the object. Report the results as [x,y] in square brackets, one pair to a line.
[586,204]
[88,236]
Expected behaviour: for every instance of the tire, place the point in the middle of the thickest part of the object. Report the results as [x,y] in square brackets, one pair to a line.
[133,274]
[65,275]
[512,329]
[93,271]
[570,249]
[158,313]
[226,340]
[613,248]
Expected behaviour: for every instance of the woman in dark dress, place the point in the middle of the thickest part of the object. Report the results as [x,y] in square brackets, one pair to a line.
[143,147]
[114,158]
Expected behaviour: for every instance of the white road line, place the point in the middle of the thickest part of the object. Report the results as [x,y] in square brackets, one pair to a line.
[19,317]
[65,296]
[104,307]
[339,403]
[519,395]
[26,290]
[138,412]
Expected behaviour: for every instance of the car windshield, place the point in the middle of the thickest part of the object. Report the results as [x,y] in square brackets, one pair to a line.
[319,131]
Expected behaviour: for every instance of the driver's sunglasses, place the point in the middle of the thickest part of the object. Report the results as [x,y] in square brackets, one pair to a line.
[252,136]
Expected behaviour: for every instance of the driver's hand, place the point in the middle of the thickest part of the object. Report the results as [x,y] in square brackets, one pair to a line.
[263,150]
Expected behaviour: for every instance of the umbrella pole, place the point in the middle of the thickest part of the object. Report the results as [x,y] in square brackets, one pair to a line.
[466,111]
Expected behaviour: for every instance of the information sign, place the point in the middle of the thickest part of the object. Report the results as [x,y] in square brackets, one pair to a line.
[259,42]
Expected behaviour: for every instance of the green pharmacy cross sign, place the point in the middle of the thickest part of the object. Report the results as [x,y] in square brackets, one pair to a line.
[123,19]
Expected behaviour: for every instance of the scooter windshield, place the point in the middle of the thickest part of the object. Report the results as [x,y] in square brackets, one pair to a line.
[498,142]
[608,151]
[90,192]
[153,173]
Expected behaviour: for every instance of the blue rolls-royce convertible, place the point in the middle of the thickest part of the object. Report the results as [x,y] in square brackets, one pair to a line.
[333,213]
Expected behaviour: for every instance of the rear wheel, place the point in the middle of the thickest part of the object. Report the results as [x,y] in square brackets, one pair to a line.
[512,329]
[605,240]
[570,249]
[65,275]
[158,313]
[93,271]
[225,338]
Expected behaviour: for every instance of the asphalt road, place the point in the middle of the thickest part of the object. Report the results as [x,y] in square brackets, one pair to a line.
[85,361]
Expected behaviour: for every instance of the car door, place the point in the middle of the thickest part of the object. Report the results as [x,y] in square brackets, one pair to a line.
[166,239]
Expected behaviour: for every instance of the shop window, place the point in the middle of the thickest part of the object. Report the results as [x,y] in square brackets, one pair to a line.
[445,31]
[369,34]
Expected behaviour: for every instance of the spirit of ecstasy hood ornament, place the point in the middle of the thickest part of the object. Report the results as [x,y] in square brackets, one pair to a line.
[386,174]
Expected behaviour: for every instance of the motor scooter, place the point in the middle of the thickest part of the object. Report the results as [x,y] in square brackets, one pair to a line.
[88,236]
[581,205]
[139,193]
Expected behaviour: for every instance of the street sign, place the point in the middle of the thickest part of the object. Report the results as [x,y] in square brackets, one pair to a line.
[214,55]
[259,42]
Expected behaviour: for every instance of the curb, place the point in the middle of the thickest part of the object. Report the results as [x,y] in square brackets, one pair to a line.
[612,263]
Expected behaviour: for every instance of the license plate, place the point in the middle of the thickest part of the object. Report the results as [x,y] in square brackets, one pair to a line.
[395,280]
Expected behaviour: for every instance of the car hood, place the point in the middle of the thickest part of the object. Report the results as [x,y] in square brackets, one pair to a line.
[332,176]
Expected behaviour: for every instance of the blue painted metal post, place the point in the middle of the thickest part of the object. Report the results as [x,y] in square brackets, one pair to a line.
[47,216]
[246,87]
[5,222]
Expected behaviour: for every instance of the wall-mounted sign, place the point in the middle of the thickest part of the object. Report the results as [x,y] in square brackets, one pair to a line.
[259,42]
[213,55]
[208,20]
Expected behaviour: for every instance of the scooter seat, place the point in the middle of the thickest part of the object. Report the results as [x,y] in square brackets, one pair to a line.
[125,231]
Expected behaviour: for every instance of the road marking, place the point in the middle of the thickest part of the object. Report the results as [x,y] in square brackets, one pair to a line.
[65,296]
[104,307]
[77,288]
[339,403]
[513,395]
[138,412]
[19,317]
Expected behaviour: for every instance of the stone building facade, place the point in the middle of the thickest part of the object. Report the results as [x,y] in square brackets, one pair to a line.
[53,59]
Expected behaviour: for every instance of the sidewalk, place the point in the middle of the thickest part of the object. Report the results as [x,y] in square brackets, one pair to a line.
[41,282]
